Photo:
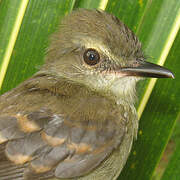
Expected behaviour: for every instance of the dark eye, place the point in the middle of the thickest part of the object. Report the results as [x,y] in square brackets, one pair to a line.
[91,57]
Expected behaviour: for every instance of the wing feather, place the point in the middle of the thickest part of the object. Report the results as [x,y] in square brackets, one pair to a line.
[42,143]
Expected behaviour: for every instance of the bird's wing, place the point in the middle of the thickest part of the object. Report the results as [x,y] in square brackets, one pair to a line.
[43,144]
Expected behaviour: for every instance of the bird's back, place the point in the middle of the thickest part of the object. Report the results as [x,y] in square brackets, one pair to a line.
[42,130]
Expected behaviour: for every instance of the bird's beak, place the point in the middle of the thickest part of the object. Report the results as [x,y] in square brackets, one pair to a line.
[147,69]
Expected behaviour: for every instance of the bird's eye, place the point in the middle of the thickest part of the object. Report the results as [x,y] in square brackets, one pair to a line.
[91,57]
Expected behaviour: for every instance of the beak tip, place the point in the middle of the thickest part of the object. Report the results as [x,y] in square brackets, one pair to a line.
[169,74]
[172,76]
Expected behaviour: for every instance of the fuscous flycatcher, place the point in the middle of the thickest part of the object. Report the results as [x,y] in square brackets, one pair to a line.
[75,118]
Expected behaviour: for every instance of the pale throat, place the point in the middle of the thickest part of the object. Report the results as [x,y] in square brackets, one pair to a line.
[125,89]
[119,88]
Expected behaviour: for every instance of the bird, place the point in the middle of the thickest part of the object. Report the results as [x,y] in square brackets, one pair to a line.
[75,117]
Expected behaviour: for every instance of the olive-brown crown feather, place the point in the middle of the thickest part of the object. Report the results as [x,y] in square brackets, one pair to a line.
[83,25]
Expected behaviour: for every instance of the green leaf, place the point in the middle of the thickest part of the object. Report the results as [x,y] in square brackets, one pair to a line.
[173,169]
[11,16]
[39,21]
[130,12]
[91,4]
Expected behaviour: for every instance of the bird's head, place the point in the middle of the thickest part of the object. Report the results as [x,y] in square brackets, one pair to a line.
[97,50]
